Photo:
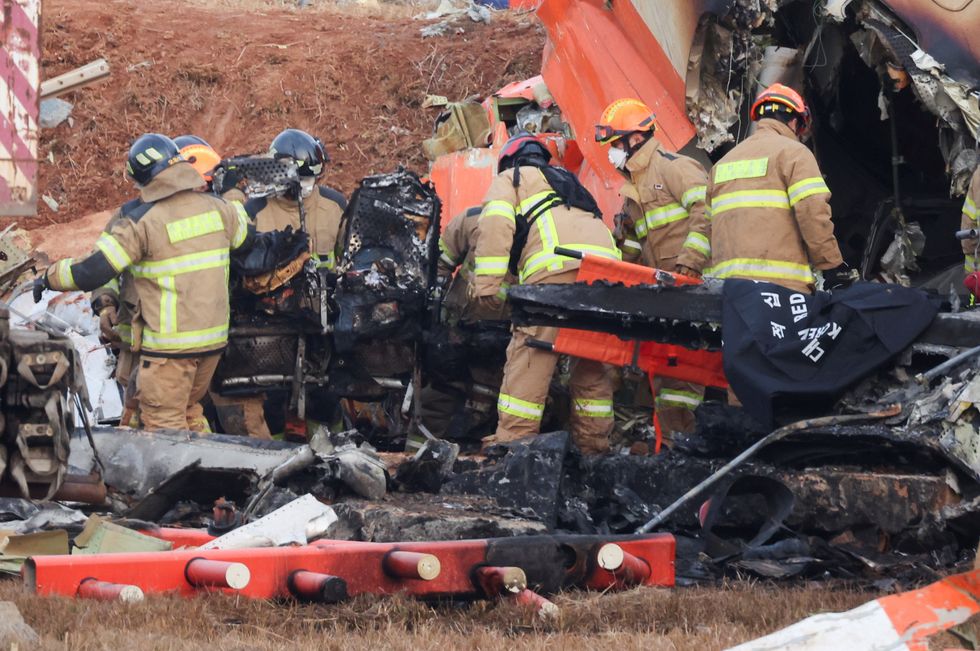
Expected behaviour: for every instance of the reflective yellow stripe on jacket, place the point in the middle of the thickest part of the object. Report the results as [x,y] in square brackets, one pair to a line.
[761,269]
[325,261]
[494,265]
[165,273]
[593,408]
[660,217]
[187,339]
[698,242]
[806,188]
[678,398]
[445,254]
[113,251]
[546,258]
[125,332]
[970,209]
[747,199]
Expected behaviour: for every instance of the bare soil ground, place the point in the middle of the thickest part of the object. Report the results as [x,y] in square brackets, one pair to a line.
[685,618]
[236,72]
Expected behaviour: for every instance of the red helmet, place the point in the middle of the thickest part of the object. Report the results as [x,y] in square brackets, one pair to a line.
[522,145]
[779,98]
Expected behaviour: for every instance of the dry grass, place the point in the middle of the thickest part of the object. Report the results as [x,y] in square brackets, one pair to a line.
[692,618]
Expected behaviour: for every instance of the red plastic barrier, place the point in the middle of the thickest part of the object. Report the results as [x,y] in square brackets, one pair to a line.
[365,568]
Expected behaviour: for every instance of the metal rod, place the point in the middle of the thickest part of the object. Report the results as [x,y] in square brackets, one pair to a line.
[260,380]
[949,364]
[772,437]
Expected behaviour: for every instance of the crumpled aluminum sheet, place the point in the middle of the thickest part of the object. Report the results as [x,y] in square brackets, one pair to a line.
[137,461]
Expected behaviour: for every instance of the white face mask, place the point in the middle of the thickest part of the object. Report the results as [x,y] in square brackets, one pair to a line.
[307,184]
[618,157]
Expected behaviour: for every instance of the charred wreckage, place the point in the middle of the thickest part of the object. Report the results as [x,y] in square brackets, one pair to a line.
[868,467]
[875,471]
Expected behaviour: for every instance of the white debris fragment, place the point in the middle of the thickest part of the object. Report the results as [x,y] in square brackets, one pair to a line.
[53,111]
[835,9]
[50,202]
[292,523]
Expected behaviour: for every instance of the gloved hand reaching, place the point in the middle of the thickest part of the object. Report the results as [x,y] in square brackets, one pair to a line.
[687,271]
[840,277]
[40,284]
[108,317]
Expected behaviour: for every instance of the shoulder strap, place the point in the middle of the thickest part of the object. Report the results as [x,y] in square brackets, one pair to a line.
[136,209]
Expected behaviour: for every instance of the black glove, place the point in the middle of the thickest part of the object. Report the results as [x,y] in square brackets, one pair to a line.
[840,277]
[40,284]
[230,179]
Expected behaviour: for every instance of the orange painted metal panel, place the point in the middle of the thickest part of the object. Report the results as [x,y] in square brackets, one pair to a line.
[598,52]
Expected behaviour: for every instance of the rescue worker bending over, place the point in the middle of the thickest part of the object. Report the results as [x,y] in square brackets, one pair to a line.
[529,210]
[664,203]
[324,209]
[176,244]
[768,205]
[970,220]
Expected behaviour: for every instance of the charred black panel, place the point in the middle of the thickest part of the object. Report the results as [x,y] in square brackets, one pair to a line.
[387,267]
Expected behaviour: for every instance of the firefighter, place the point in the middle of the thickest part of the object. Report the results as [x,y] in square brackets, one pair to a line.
[115,302]
[970,215]
[175,243]
[324,208]
[204,158]
[531,208]
[323,205]
[768,205]
[457,403]
[664,206]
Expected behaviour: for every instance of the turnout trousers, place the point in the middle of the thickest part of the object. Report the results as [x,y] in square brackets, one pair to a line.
[169,390]
[527,377]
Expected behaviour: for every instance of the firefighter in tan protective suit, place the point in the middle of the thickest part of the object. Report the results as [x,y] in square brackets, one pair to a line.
[324,208]
[768,205]
[969,221]
[527,212]
[115,301]
[665,223]
[176,244]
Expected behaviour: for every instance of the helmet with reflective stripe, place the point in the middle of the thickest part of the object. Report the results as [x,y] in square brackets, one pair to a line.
[623,117]
[198,153]
[149,155]
[779,98]
[520,147]
[308,152]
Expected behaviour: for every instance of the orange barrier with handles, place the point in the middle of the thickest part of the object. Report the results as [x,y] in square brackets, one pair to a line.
[329,570]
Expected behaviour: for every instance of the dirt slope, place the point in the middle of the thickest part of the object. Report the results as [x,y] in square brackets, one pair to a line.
[236,75]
